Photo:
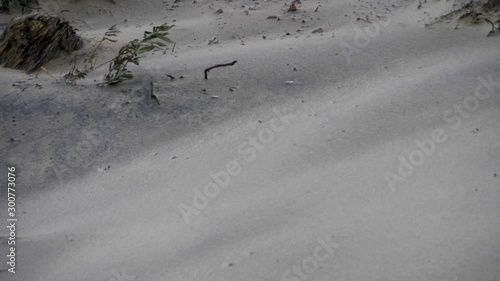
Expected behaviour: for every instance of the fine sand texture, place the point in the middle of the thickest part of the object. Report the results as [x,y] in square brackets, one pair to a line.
[352,140]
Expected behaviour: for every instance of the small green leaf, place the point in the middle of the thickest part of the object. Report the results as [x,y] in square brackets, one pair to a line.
[145,49]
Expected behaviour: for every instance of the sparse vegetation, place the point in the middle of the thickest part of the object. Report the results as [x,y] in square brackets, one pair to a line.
[132,52]
[91,60]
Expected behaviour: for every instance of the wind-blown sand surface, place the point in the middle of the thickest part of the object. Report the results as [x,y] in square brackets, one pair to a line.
[334,162]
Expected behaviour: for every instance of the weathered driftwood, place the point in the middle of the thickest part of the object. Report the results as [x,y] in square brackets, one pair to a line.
[30,41]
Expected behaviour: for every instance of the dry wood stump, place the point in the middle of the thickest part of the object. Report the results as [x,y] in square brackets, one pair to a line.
[32,40]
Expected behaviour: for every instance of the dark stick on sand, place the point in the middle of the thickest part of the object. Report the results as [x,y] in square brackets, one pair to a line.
[213,40]
[218,65]
[492,25]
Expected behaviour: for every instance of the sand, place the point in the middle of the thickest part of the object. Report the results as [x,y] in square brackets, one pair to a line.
[365,151]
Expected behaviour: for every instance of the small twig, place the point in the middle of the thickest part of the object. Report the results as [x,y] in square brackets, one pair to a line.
[218,65]
[173,48]
[106,62]
[152,95]
[492,25]
[211,41]
[170,76]
[317,8]
[44,69]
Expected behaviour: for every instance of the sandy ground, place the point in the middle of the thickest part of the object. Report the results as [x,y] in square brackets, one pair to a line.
[367,151]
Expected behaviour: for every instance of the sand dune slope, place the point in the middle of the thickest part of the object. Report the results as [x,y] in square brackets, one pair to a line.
[333,158]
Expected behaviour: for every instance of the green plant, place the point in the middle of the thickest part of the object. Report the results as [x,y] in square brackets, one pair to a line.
[133,51]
